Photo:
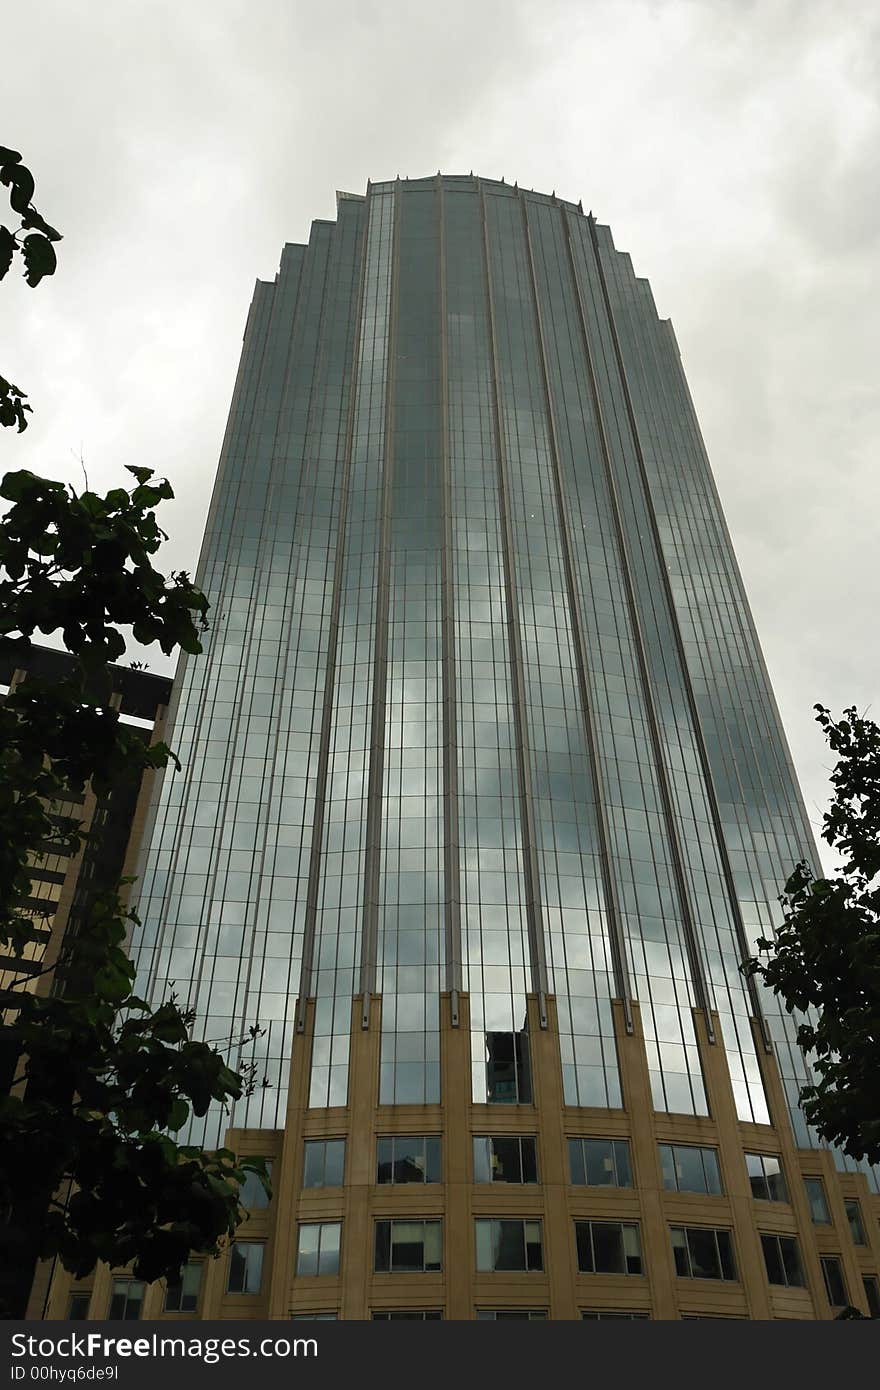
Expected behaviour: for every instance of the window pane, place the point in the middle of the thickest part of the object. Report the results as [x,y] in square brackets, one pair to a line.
[510,1245]
[482,1159]
[608,1248]
[599,1157]
[433,1244]
[506,1165]
[404,1316]
[689,1169]
[576,1161]
[528,1149]
[834,1285]
[725,1250]
[328,1259]
[776,1188]
[534,1253]
[632,1249]
[584,1247]
[704,1254]
[245,1267]
[680,1251]
[524,1078]
[253,1194]
[667,1167]
[125,1299]
[872,1294]
[407,1246]
[792,1262]
[711,1169]
[511,1315]
[501,1084]
[409,1159]
[773,1259]
[816,1198]
[383,1246]
[334,1162]
[183,1296]
[854,1217]
[757,1180]
[78,1307]
[384,1160]
[309,1245]
[621,1158]
[432,1159]
[485,1245]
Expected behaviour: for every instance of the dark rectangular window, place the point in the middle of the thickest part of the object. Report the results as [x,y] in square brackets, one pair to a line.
[408,1158]
[702,1253]
[854,1217]
[509,1244]
[766,1178]
[834,1285]
[324,1162]
[505,1158]
[815,1189]
[245,1266]
[253,1196]
[872,1294]
[78,1307]
[688,1168]
[508,1075]
[407,1315]
[315,1317]
[126,1298]
[318,1247]
[608,1247]
[511,1315]
[604,1315]
[599,1162]
[408,1247]
[182,1295]
[783,1261]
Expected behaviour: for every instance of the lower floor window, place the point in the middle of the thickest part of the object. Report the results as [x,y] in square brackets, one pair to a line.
[834,1285]
[511,1315]
[318,1248]
[182,1295]
[603,1314]
[608,1247]
[872,1294]
[702,1253]
[78,1307]
[126,1298]
[509,1245]
[245,1266]
[408,1315]
[783,1261]
[407,1247]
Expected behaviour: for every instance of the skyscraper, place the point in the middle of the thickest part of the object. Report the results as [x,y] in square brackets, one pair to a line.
[485,797]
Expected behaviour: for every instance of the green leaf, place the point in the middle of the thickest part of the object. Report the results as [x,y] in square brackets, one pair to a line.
[8,248]
[39,257]
[21,182]
[32,218]
[178,1114]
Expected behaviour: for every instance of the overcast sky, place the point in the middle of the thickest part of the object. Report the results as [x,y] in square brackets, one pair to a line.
[731,145]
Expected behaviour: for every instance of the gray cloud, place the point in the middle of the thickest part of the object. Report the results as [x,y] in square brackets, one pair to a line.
[730,146]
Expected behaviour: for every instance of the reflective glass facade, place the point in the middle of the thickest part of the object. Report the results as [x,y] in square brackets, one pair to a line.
[481,710]
[484,797]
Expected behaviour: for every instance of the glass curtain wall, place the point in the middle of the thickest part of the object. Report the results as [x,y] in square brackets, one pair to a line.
[481,707]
